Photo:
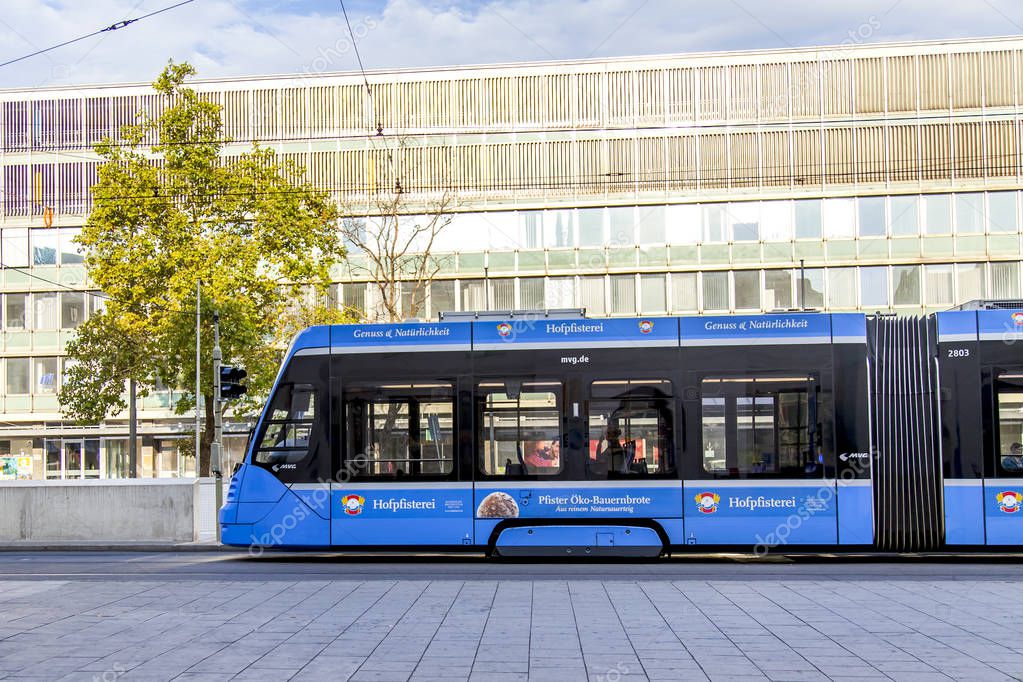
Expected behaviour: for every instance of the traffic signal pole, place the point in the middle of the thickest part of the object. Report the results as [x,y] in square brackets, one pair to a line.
[218,423]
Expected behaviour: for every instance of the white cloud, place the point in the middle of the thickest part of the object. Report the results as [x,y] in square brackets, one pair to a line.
[252,37]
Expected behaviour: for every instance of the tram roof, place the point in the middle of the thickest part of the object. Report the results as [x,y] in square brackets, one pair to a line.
[540,332]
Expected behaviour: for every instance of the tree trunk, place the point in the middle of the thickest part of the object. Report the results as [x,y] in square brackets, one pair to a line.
[207,436]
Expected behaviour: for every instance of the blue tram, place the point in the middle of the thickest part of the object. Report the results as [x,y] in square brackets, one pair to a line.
[547,434]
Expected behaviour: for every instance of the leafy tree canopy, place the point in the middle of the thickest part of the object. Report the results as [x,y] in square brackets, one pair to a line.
[171,209]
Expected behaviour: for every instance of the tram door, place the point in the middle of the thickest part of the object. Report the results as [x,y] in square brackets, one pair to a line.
[1003,493]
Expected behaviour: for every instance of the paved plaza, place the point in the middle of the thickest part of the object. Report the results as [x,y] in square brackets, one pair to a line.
[215,616]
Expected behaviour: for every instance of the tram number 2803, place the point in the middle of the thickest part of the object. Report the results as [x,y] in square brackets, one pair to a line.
[958,352]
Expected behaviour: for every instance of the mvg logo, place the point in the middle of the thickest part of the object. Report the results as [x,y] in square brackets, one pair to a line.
[575,359]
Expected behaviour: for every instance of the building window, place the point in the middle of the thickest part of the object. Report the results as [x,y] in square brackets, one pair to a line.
[623,225]
[14,247]
[472,295]
[776,221]
[812,289]
[623,294]
[777,289]
[747,289]
[591,295]
[651,225]
[808,219]
[72,309]
[520,428]
[874,287]
[502,294]
[559,228]
[906,282]
[1003,216]
[47,314]
[442,296]
[905,216]
[560,292]
[531,229]
[684,296]
[47,375]
[1004,280]
[18,376]
[970,213]
[841,287]
[70,252]
[839,218]
[744,219]
[939,285]
[15,311]
[715,291]
[871,216]
[44,247]
[971,282]
[591,226]
[713,223]
[937,214]
[531,293]
[653,295]
[354,297]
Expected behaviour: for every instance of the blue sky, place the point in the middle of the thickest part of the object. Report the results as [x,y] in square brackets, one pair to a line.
[252,37]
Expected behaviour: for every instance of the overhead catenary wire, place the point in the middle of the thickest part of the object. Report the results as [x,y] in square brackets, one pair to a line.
[112,27]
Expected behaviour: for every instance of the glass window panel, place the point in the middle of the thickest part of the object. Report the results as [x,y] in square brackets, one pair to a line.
[776,221]
[937,214]
[684,297]
[1005,280]
[808,219]
[70,253]
[591,295]
[14,247]
[520,434]
[874,287]
[841,287]
[47,314]
[1003,216]
[398,431]
[622,225]
[810,288]
[970,213]
[871,216]
[623,294]
[354,296]
[906,281]
[744,221]
[502,294]
[777,289]
[654,296]
[46,375]
[1010,428]
[473,295]
[44,247]
[15,311]
[631,433]
[591,226]
[939,285]
[714,223]
[905,216]
[559,228]
[18,376]
[72,309]
[442,296]
[531,293]
[839,217]
[531,229]
[747,289]
[684,224]
[560,292]
[715,290]
[652,225]
[413,300]
[971,282]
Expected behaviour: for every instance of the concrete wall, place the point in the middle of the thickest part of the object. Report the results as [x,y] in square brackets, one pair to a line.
[160,510]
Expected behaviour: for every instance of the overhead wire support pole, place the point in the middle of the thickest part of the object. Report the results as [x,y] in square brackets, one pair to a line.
[218,423]
[198,382]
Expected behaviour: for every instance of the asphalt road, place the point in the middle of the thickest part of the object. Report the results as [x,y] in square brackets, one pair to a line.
[298,567]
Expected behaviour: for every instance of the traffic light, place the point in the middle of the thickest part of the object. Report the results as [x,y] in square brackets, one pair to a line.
[230,382]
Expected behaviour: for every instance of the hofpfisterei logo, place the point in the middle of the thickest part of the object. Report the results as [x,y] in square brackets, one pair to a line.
[504,329]
[353,504]
[707,503]
[1017,319]
[1008,501]
[646,326]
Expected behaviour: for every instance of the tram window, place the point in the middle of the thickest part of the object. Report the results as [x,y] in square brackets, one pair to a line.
[1009,389]
[630,427]
[399,430]
[761,427]
[289,425]
[520,428]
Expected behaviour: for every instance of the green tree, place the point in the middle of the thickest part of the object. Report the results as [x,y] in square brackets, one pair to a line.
[171,209]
